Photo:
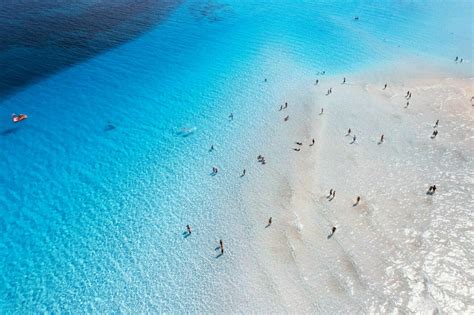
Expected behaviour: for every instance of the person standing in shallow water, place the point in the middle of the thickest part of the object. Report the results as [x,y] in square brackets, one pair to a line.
[270,221]
[221,243]
[188,227]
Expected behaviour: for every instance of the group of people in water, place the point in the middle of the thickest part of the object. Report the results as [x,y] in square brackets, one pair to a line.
[299,143]
[332,192]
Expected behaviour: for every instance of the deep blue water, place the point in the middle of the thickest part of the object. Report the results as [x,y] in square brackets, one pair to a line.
[99,182]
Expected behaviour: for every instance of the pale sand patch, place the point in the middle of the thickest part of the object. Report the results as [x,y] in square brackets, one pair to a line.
[387,253]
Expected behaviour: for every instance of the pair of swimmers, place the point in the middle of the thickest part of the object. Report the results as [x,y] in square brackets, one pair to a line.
[332,194]
[432,189]
[282,107]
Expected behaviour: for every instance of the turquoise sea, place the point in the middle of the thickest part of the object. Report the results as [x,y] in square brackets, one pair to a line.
[98,184]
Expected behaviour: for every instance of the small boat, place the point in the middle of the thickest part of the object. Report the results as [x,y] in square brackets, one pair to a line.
[17,118]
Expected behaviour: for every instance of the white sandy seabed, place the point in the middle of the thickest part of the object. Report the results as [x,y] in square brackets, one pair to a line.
[399,250]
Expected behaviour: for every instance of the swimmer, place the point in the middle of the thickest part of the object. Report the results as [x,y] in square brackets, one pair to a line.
[385,86]
[348,132]
[286,118]
[354,139]
[436,124]
[243,173]
[269,221]
[231,116]
[286,105]
[297,149]
[317,81]
[322,111]
[456,59]
[408,103]
[299,143]
[281,108]
[312,142]
[344,81]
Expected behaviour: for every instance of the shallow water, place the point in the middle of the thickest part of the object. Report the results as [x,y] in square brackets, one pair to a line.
[112,163]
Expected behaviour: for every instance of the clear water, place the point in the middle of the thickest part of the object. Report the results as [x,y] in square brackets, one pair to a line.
[99,183]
